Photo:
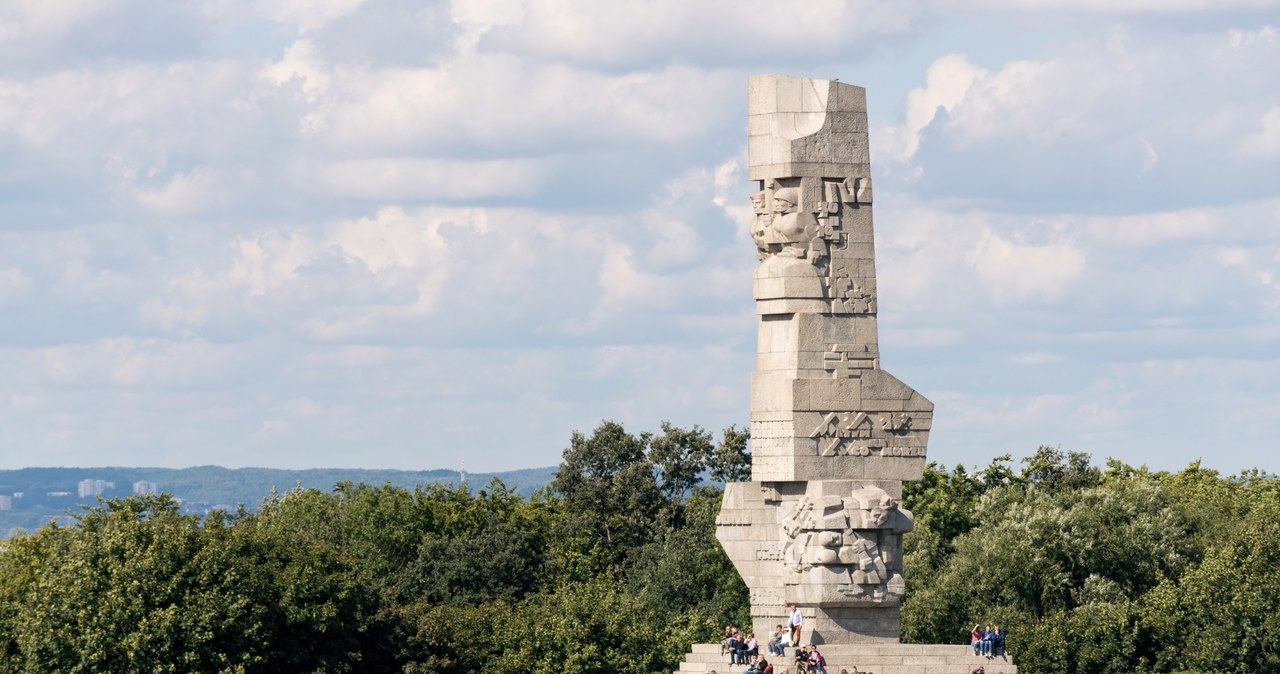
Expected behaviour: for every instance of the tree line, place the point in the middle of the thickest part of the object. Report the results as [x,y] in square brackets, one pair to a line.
[614,568]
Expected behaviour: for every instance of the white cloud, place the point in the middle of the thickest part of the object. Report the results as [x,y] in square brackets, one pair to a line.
[946,83]
[513,104]
[301,60]
[1266,141]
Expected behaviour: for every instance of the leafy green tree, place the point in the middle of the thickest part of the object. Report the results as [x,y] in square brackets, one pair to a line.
[23,560]
[608,488]
[685,572]
[1224,615]
[323,613]
[591,628]
[1052,469]
[1035,553]
[730,461]
[680,457]
[130,588]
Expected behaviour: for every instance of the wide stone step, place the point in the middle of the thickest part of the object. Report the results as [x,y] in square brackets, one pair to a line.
[869,658]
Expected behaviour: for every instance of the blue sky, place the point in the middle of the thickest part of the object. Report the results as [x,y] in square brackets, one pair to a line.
[297,233]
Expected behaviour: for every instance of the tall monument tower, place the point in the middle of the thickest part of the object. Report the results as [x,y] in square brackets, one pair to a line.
[833,435]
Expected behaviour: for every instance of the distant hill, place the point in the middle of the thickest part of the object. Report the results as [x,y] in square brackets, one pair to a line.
[30,497]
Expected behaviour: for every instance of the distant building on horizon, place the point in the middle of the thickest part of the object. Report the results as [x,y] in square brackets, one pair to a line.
[6,502]
[144,487]
[91,487]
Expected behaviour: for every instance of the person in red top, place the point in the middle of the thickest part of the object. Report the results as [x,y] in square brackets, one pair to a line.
[817,663]
[975,638]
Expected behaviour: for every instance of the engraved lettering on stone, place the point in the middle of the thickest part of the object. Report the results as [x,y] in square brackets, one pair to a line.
[769,552]
[766,597]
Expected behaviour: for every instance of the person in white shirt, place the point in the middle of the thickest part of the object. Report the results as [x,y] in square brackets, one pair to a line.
[796,623]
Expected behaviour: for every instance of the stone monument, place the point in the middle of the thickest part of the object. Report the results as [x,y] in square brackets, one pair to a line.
[833,435]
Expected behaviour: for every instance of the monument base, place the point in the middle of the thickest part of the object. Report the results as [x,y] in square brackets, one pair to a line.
[868,658]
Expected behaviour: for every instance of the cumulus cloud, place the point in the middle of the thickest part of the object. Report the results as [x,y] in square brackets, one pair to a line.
[301,61]
[1103,121]
[946,83]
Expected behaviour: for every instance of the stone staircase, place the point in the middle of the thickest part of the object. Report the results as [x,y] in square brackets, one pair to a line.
[888,658]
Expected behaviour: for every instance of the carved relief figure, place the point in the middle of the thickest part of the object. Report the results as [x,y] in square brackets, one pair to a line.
[845,550]
[761,224]
[788,227]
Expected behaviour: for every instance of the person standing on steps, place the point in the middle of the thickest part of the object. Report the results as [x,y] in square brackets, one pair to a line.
[796,623]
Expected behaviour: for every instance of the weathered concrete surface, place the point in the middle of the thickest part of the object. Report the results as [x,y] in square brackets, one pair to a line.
[833,435]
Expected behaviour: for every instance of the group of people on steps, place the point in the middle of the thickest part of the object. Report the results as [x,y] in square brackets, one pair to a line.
[745,649]
[988,641]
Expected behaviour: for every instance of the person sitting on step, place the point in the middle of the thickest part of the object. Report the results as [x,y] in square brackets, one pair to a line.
[759,666]
[802,659]
[817,663]
[776,641]
[732,643]
[747,648]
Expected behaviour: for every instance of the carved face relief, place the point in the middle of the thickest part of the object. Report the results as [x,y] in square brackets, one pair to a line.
[758,205]
[785,200]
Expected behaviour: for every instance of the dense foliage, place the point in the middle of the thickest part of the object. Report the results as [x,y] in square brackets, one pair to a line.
[1090,570]
[614,568]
